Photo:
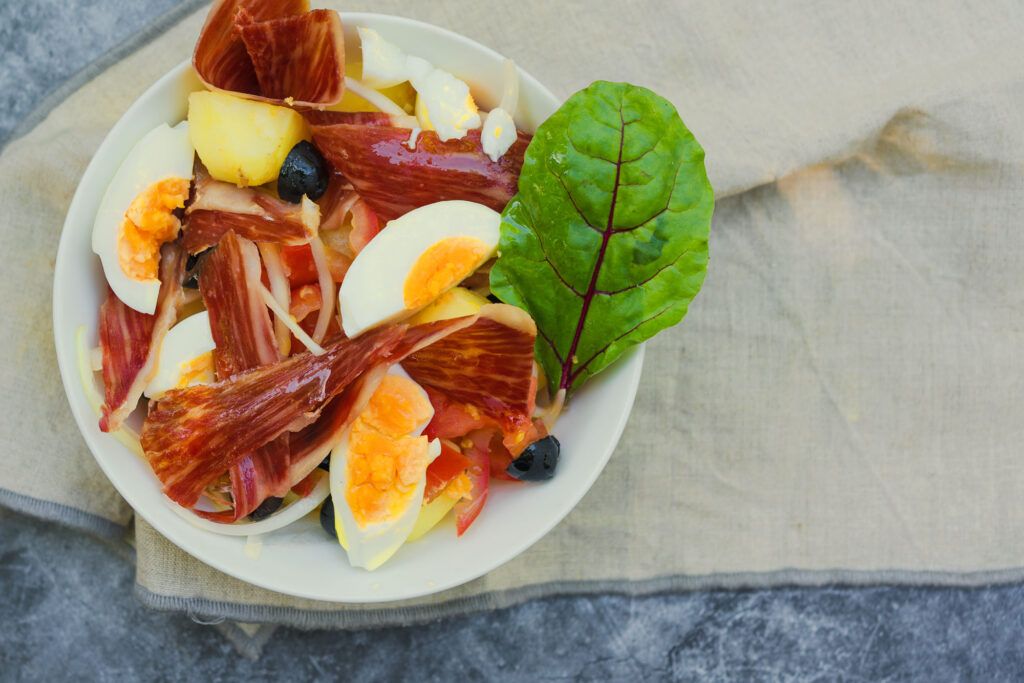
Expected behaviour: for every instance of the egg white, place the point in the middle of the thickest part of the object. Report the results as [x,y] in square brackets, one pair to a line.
[443,102]
[372,546]
[373,291]
[498,134]
[384,63]
[182,344]
[162,153]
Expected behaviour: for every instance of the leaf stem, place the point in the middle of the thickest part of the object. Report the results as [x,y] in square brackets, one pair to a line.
[570,358]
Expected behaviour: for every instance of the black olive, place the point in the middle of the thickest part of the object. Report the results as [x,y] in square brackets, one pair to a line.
[493,299]
[326,464]
[327,518]
[191,280]
[304,172]
[538,461]
[266,508]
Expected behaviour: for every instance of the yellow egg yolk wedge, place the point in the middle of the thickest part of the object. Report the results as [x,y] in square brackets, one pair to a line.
[148,223]
[199,370]
[385,460]
[441,267]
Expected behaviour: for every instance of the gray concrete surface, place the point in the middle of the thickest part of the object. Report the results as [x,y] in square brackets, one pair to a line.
[67,611]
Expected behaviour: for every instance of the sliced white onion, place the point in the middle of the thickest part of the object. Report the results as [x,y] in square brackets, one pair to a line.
[549,416]
[510,94]
[323,272]
[282,518]
[382,102]
[289,321]
[125,434]
[271,254]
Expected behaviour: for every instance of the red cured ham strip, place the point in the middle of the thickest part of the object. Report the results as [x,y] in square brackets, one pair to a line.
[394,179]
[357,118]
[252,213]
[220,57]
[311,445]
[195,434]
[131,340]
[244,338]
[300,58]
[488,365]
[229,282]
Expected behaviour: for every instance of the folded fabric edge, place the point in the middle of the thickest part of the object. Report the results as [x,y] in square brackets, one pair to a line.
[410,616]
[55,512]
[99,65]
[249,646]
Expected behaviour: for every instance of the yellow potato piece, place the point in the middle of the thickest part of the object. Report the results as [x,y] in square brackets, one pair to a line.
[241,141]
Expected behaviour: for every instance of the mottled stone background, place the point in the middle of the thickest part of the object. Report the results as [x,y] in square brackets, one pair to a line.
[67,611]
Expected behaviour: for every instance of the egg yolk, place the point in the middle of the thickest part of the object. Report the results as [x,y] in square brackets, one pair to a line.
[199,370]
[148,223]
[441,267]
[385,461]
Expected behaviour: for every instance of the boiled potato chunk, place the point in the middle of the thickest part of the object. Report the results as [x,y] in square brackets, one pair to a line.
[241,141]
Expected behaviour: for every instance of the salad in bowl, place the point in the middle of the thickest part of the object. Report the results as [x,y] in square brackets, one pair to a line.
[343,283]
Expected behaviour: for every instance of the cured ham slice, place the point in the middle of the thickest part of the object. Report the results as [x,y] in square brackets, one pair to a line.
[195,434]
[488,365]
[254,214]
[244,338]
[220,57]
[131,340]
[273,50]
[394,179]
[299,58]
[239,321]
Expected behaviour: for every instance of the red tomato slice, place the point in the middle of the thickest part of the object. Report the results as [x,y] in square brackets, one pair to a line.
[450,464]
[298,265]
[466,511]
[305,301]
[300,268]
[365,226]
[453,420]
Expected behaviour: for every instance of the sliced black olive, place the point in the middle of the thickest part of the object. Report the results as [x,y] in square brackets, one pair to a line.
[191,280]
[538,462]
[326,464]
[304,172]
[327,518]
[266,508]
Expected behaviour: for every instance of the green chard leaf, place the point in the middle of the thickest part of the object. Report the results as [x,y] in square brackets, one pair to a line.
[606,243]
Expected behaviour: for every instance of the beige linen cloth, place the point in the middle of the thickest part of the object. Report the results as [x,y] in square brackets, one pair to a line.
[843,402]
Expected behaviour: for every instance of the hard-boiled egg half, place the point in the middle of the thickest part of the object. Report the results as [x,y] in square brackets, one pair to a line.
[186,356]
[379,470]
[415,259]
[443,103]
[136,214]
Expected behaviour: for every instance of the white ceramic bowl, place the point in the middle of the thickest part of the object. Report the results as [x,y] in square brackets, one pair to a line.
[300,559]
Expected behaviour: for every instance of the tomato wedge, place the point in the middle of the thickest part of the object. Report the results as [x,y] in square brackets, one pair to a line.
[301,270]
[365,226]
[450,464]
[466,511]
